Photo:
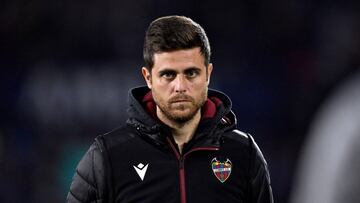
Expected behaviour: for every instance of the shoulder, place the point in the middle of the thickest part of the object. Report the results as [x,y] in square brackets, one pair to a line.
[238,137]
[245,140]
[117,136]
[88,181]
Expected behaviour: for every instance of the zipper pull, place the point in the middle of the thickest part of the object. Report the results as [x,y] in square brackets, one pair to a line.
[181,162]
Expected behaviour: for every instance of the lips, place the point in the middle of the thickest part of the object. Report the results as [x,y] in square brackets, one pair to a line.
[181,99]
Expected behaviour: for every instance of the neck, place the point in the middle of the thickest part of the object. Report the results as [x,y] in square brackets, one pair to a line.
[182,132]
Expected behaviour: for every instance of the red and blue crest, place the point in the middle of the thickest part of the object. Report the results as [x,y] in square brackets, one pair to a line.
[221,169]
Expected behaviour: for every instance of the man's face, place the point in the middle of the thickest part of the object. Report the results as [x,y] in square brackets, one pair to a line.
[179,83]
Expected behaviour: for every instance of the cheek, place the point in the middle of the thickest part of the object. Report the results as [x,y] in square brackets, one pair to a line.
[199,85]
[162,89]
[158,83]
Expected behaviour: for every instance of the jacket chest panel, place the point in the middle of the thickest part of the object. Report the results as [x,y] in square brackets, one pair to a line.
[142,173]
[148,180]
[145,173]
[217,176]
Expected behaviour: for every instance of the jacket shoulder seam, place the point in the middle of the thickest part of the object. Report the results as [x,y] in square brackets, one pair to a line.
[77,198]
[238,136]
[243,134]
[118,136]
[87,181]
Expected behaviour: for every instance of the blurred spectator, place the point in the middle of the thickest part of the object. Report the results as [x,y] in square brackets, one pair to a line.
[330,164]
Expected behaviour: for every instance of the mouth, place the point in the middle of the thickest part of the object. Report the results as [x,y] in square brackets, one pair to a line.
[180,101]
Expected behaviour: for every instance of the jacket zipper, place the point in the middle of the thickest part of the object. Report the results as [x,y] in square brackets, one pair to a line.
[181,159]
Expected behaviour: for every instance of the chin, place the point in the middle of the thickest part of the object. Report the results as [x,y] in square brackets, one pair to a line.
[182,117]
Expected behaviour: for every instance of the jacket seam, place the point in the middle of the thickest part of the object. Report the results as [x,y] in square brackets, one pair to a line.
[256,177]
[93,172]
[108,192]
[82,177]
[250,167]
[72,194]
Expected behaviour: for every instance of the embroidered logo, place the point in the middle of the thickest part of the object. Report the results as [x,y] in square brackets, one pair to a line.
[221,169]
[141,170]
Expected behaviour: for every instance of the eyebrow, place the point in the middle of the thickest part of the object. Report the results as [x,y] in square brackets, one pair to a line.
[166,70]
[170,70]
[192,69]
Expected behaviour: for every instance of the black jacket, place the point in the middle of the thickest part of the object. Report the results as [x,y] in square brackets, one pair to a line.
[139,162]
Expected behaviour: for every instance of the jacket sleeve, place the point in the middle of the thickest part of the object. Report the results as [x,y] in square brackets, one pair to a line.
[88,181]
[260,184]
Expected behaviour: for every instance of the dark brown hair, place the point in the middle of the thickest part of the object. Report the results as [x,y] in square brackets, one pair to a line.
[172,33]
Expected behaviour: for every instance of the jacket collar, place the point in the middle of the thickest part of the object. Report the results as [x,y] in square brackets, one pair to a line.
[217,117]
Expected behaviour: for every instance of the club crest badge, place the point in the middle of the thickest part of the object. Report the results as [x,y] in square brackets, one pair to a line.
[221,169]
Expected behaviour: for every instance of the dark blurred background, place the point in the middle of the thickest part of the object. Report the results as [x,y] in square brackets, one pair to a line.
[66,67]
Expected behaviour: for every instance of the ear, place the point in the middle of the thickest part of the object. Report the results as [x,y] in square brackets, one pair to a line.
[147,76]
[209,71]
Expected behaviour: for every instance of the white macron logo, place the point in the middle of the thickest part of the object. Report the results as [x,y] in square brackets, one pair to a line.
[141,170]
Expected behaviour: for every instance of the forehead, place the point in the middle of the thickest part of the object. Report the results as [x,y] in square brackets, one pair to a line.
[179,59]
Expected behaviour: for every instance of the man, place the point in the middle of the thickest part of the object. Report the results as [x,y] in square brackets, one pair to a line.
[180,143]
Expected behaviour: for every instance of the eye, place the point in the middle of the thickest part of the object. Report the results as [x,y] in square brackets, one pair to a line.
[168,74]
[192,73]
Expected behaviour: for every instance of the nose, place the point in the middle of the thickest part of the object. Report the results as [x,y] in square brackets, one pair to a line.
[180,84]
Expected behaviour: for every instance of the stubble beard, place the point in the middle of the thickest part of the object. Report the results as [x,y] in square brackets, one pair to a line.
[176,112]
